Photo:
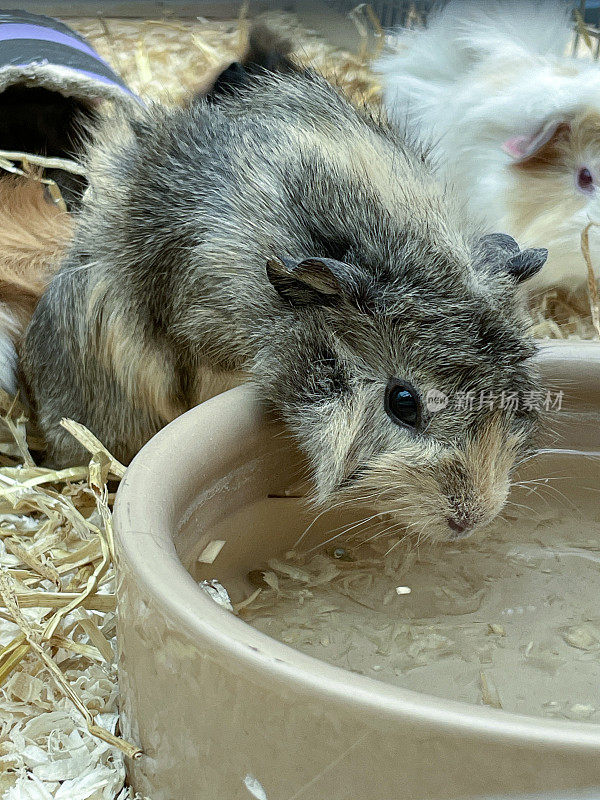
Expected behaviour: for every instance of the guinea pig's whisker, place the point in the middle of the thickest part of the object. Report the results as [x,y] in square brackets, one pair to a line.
[420,535]
[534,487]
[389,531]
[403,538]
[566,500]
[536,492]
[396,525]
[534,483]
[353,526]
[344,529]
[392,529]
[541,480]
[549,487]
[348,526]
[380,534]
[593,454]
[331,507]
[529,509]
[370,495]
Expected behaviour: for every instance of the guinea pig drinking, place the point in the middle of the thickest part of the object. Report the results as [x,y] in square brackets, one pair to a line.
[284,237]
[514,118]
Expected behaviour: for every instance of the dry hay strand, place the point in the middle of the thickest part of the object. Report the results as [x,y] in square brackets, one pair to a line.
[559,314]
[591,278]
[563,314]
[365,18]
[33,166]
[57,620]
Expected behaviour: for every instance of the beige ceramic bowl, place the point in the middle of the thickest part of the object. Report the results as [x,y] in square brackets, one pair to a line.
[223,712]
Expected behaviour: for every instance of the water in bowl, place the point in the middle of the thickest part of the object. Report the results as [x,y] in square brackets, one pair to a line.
[509,618]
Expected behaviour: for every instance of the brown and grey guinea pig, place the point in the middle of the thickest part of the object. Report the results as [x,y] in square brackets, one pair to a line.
[34,234]
[285,237]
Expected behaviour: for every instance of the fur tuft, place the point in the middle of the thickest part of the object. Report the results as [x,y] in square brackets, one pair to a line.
[266,50]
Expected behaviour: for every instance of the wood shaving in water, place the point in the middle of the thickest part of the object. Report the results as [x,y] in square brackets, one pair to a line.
[507,619]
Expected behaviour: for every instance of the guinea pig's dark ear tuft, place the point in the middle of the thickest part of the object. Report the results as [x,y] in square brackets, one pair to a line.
[526,264]
[319,281]
[232,78]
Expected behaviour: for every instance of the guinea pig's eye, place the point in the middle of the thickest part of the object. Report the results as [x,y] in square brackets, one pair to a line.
[402,403]
[585,180]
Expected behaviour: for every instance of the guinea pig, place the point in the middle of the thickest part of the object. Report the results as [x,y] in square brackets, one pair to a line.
[285,237]
[34,234]
[515,120]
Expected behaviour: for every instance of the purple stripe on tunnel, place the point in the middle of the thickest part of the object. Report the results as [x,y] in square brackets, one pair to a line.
[16,31]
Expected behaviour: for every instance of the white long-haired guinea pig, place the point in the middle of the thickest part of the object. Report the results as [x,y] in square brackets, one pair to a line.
[514,119]
[34,233]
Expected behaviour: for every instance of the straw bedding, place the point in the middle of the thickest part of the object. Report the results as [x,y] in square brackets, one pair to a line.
[58,694]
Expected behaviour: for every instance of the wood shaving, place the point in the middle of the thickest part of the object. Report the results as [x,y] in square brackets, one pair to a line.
[217,592]
[57,635]
[489,693]
[453,635]
[211,551]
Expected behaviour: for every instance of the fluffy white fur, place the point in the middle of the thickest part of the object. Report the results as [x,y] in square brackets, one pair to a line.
[483,76]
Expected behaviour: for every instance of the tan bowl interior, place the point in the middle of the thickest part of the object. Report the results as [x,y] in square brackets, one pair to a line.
[217,705]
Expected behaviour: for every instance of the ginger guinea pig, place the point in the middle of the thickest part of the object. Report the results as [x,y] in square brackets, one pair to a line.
[34,234]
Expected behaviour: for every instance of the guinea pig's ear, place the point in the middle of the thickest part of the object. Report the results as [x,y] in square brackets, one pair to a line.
[525,147]
[527,263]
[498,246]
[504,254]
[311,281]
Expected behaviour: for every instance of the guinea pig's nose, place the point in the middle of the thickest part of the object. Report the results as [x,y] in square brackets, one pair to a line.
[459,524]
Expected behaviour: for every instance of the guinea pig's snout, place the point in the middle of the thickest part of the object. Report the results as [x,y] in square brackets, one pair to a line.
[461,519]
[461,526]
